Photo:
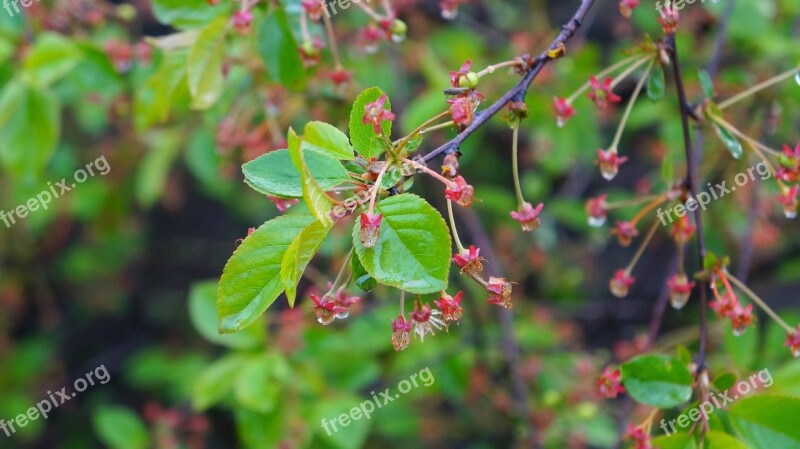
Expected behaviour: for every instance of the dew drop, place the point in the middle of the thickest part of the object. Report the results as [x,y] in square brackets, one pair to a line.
[790,213]
[797,78]
[597,221]
[449,14]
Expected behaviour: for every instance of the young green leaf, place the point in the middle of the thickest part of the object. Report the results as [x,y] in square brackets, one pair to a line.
[120,428]
[413,250]
[656,84]
[155,98]
[215,383]
[204,69]
[203,314]
[706,84]
[186,14]
[278,49]
[674,441]
[51,57]
[298,256]
[657,380]
[29,128]
[259,383]
[719,440]
[360,276]
[328,140]
[275,174]
[251,278]
[363,137]
[767,422]
[314,195]
[730,141]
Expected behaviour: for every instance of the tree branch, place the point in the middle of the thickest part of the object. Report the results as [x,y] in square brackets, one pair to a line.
[518,92]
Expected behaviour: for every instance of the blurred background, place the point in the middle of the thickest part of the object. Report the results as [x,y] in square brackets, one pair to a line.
[121,271]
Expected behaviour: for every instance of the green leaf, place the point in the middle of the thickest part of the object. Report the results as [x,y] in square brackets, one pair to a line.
[204,68]
[674,441]
[278,49]
[353,437]
[706,84]
[29,129]
[328,140]
[52,57]
[730,141]
[251,278]
[413,250]
[719,440]
[155,98]
[366,142]
[656,84]
[163,147]
[203,313]
[299,254]
[185,14]
[216,382]
[260,381]
[314,195]
[767,422]
[724,381]
[275,174]
[657,380]
[360,276]
[120,428]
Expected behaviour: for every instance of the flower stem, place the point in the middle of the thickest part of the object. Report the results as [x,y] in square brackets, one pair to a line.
[437,127]
[427,170]
[340,279]
[370,12]
[629,108]
[760,302]
[515,162]
[760,86]
[337,62]
[491,69]
[629,70]
[402,142]
[377,187]
[402,303]
[642,247]
[602,74]
[631,202]
[660,199]
[453,226]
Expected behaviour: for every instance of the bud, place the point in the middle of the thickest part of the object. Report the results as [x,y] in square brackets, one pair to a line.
[625,232]
[621,283]
[609,162]
[370,229]
[460,192]
[400,333]
[596,209]
[450,165]
[469,261]
[398,31]
[793,342]
[499,292]
[680,288]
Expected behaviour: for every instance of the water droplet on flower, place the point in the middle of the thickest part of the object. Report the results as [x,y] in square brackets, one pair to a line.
[739,331]
[796,352]
[397,38]
[797,78]
[608,175]
[678,300]
[343,315]
[597,221]
[560,122]
[370,48]
[790,212]
[324,317]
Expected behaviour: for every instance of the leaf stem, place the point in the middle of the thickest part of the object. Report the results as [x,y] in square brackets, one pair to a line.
[630,70]
[377,187]
[642,247]
[337,62]
[491,69]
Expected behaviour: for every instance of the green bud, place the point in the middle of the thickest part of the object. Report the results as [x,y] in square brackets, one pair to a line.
[126,12]
[399,30]
[469,81]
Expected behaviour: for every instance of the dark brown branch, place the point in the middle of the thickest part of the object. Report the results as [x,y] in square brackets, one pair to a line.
[518,92]
[692,165]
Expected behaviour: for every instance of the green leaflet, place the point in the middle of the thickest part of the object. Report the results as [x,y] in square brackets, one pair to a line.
[766,422]
[204,69]
[275,174]
[413,250]
[52,57]
[657,380]
[299,254]
[328,140]
[251,279]
[314,195]
[278,49]
[362,136]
